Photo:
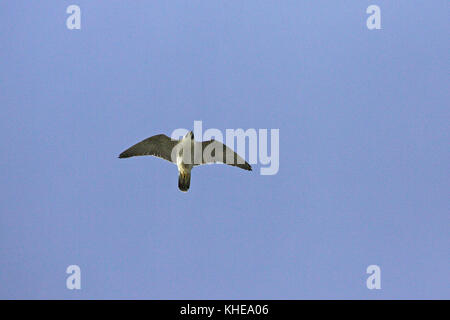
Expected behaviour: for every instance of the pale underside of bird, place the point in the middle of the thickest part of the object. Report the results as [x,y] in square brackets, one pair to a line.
[186,154]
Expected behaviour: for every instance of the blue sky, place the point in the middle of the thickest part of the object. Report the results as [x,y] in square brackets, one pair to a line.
[364,176]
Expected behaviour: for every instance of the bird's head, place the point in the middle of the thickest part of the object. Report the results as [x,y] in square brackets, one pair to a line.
[189,135]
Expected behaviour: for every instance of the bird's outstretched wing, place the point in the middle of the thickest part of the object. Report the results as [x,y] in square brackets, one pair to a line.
[216,152]
[159,146]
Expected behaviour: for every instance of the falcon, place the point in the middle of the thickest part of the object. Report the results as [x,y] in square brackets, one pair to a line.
[186,153]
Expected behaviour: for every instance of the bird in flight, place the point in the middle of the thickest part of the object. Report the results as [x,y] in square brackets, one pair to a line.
[186,153]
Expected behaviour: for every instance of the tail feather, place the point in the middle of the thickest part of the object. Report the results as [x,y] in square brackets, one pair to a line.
[184,181]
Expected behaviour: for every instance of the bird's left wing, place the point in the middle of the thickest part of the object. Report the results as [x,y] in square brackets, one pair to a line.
[216,152]
[159,146]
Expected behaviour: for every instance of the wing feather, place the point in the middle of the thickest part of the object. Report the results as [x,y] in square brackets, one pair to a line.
[214,151]
[159,146]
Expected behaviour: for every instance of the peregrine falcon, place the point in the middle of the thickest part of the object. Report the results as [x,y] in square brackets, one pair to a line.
[186,153]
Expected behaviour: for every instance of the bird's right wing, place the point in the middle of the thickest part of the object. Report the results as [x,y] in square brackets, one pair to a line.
[159,146]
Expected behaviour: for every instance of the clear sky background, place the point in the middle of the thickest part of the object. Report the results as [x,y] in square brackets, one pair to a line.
[364,149]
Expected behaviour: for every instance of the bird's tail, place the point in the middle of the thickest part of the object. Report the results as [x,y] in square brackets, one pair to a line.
[184,181]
